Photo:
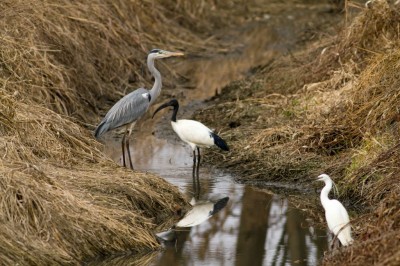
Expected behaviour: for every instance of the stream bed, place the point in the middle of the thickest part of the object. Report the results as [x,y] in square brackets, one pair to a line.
[256,227]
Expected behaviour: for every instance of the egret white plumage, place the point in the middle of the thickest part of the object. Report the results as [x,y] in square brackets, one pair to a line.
[134,105]
[335,213]
[193,132]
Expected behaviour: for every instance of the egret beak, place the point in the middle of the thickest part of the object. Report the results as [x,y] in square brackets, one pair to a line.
[161,107]
[319,178]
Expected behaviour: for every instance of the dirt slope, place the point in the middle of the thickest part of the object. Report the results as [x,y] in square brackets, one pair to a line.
[331,106]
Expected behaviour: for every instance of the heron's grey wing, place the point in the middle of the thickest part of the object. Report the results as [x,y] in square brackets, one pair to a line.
[127,110]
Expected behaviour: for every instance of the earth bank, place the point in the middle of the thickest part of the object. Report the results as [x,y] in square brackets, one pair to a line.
[329,107]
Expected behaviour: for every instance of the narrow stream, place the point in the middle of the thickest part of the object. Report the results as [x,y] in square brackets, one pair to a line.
[255,227]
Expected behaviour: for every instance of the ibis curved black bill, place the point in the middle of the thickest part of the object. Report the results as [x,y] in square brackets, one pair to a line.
[174,103]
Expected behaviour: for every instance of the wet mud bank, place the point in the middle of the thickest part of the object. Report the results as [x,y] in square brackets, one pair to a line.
[300,111]
[284,231]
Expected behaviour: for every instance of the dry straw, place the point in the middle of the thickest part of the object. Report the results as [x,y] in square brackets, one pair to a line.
[343,120]
[63,201]
[61,62]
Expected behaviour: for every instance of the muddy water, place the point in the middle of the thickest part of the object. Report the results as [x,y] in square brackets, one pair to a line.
[255,227]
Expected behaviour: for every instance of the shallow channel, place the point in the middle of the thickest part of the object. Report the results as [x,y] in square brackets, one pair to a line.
[255,227]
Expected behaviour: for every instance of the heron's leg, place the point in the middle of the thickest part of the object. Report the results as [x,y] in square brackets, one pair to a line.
[127,144]
[123,149]
[129,153]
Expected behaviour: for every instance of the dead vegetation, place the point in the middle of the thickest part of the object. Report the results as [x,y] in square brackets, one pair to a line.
[61,63]
[333,109]
[62,200]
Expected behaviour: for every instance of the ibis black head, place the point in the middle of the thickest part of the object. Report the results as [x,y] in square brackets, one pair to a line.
[174,103]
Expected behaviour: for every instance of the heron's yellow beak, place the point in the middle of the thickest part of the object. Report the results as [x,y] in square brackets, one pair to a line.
[175,54]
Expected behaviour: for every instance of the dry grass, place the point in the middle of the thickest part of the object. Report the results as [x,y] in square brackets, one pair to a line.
[336,112]
[62,62]
[62,201]
[74,57]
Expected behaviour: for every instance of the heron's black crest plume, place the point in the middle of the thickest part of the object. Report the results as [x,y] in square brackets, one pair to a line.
[154,51]
[219,142]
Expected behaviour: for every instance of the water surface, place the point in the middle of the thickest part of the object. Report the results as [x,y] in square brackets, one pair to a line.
[256,227]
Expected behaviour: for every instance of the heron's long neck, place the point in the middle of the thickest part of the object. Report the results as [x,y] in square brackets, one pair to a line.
[325,191]
[174,112]
[155,91]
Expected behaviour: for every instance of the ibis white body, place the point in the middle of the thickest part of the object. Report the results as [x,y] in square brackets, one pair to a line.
[193,133]
[202,211]
[198,214]
[336,215]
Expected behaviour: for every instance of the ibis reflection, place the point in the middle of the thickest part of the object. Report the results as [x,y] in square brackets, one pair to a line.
[255,227]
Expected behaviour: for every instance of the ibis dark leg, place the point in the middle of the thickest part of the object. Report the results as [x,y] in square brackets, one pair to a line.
[194,164]
[196,184]
[197,171]
[198,161]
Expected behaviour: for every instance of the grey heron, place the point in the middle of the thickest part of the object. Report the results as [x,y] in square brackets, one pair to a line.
[193,133]
[134,105]
[335,213]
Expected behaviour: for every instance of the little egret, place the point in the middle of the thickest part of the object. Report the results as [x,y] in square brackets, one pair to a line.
[134,105]
[193,133]
[335,214]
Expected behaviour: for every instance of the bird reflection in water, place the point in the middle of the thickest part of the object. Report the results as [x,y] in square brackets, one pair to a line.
[201,211]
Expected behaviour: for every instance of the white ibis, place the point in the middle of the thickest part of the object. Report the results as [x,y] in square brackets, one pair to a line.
[335,214]
[193,133]
[201,211]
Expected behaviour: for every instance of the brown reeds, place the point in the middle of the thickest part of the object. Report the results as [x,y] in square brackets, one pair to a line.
[337,112]
[62,201]
[71,56]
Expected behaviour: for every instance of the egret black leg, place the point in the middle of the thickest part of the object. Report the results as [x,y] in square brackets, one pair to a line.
[335,242]
[123,149]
